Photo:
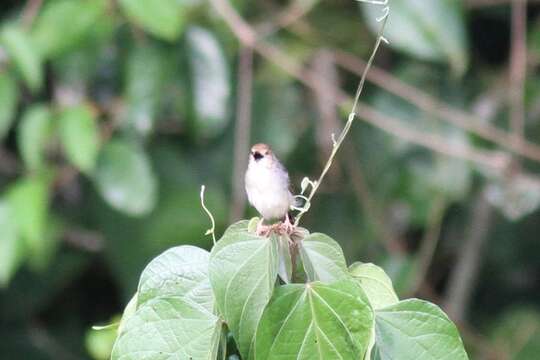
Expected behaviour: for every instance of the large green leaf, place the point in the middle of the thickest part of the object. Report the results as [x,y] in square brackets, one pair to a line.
[163,18]
[315,321]
[125,179]
[29,202]
[416,329]
[11,246]
[8,102]
[375,283]
[243,271]
[62,24]
[432,30]
[79,135]
[180,271]
[322,258]
[25,56]
[33,134]
[169,328]
[210,85]
[145,78]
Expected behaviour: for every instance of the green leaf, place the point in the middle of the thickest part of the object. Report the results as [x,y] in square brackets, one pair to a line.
[8,102]
[33,134]
[243,270]
[79,135]
[375,283]
[210,83]
[11,246]
[25,57]
[29,202]
[162,18]
[125,179]
[322,258]
[416,329]
[145,79]
[285,260]
[169,328]
[315,321]
[180,271]
[63,24]
[430,30]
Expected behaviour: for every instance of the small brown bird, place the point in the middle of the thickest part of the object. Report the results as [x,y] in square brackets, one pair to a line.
[267,187]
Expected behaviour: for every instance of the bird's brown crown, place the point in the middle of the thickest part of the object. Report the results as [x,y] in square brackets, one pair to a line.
[262,149]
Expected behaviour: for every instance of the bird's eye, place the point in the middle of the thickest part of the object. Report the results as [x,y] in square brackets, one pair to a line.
[257,155]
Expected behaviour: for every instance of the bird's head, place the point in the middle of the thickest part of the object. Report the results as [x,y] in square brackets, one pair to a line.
[261,154]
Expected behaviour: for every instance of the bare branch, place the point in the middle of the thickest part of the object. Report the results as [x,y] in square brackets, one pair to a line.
[242,131]
[518,69]
[30,11]
[431,105]
[469,259]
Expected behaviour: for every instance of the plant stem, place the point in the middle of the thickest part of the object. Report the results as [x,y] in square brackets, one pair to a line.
[348,125]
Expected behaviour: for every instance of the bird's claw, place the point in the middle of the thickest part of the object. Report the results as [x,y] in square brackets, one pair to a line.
[283,228]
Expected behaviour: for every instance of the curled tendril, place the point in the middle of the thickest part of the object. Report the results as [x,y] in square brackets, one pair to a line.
[210,231]
[303,209]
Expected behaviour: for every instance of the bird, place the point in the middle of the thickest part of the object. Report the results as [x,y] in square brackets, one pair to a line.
[267,187]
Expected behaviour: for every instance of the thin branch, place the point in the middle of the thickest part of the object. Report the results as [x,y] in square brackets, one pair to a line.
[328,121]
[518,69]
[242,131]
[29,12]
[348,124]
[431,105]
[469,259]
[286,17]
[495,159]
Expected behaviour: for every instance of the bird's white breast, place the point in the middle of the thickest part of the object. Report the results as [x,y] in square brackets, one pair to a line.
[268,190]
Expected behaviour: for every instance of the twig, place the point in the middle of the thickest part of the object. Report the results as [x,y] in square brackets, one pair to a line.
[492,159]
[429,242]
[29,12]
[288,16]
[328,121]
[431,105]
[348,124]
[518,69]
[242,131]
[245,34]
[210,231]
[463,277]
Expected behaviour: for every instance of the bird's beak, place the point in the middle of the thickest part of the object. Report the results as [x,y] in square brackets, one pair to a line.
[257,156]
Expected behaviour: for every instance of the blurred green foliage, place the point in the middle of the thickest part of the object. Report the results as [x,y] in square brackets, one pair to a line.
[114,112]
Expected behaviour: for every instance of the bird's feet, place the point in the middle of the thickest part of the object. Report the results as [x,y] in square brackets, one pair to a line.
[287,226]
[263,230]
